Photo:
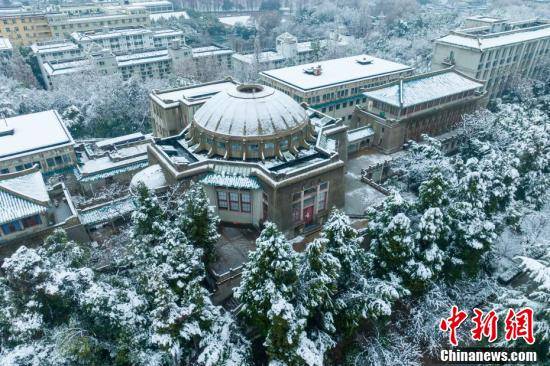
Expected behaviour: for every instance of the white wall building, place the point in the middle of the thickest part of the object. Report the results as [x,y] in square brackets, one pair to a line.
[495,50]
[334,86]
[63,24]
[128,40]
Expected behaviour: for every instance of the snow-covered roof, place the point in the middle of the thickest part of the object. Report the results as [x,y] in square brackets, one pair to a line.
[263,57]
[5,44]
[50,47]
[32,132]
[244,20]
[152,176]
[334,72]
[250,111]
[193,94]
[107,211]
[230,181]
[482,42]
[360,134]
[66,67]
[142,57]
[22,196]
[110,172]
[168,15]
[210,50]
[423,88]
[120,139]
[92,36]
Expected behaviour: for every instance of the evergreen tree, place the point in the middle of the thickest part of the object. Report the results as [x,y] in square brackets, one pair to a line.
[359,295]
[319,273]
[197,220]
[149,217]
[267,294]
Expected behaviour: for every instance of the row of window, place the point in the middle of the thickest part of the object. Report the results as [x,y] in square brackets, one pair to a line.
[55,162]
[234,201]
[343,105]
[15,226]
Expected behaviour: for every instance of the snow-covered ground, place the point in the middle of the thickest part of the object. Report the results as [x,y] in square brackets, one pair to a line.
[359,195]
[535,232]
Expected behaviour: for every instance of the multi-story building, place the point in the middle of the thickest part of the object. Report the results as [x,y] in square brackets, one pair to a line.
[172,110]
[431,103]
[134,52]
[128,40]
[6,48]
[36,139]
[495,50]
[260,156]
[334,86]
[24,28]
[62,25]
[211,58]
[288,52]
[153,7]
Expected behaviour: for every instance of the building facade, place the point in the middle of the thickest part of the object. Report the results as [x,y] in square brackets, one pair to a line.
[62,25]
[36,139]
[431,103]
[495,50]
[265,158]
[149,54]
[172,110]
[25,28]
[334,86]
[128,40]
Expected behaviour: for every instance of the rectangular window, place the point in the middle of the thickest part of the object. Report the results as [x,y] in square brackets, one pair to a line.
[322,204]
[51,162]
[245,202]
[11,227]
[31,221]
[4,171]
[234,201]
[296,212]
[222,200]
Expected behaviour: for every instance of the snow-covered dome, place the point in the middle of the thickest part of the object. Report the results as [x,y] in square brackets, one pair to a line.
[251,110]
[250,121]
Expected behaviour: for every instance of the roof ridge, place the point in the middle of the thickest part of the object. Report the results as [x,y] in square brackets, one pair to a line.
[21,195]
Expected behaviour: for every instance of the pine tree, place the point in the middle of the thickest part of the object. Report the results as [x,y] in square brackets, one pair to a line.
[433,192]
[267,294]
[359,295]
[197,220]
[149,217]
[319,271]
[432,236]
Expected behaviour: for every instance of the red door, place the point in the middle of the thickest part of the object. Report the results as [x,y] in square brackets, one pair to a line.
[308,215]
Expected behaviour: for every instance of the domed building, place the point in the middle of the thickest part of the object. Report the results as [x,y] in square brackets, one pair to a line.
[260,156]
[250,122]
